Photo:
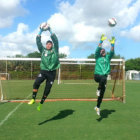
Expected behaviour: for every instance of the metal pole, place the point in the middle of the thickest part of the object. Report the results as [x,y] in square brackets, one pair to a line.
[80,72]
[59,75]
[31,69]
[6,67]
[124,96]
[6,70]
[1,90]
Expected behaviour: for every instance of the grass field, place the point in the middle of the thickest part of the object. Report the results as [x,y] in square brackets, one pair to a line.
[73,120]
[20,89]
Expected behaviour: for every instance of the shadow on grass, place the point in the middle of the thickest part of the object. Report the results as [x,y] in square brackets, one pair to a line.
[62,114]
[104,114]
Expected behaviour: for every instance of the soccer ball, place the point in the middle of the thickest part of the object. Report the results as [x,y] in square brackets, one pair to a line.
[112,22]
[44,26]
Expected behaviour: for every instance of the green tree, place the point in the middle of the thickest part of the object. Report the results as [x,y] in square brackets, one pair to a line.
[115,56]
[34,55]
[19,56]
[91,56]
[132,64]
[62,55]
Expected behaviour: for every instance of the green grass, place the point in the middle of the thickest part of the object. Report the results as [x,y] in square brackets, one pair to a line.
[20,89]
[75,120]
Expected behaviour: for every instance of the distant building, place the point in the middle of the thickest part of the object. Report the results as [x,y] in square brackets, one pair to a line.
[132,75]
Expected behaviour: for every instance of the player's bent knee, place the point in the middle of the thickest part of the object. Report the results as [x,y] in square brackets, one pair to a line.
[50,82]
[36,85]
[44,96]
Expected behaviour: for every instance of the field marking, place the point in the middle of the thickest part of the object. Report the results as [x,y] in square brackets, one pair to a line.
[14,110]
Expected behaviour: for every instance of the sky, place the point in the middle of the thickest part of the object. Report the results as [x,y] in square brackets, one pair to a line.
[78,25]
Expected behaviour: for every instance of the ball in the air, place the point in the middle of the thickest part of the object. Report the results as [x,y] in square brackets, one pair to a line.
[44,26]
[112,22]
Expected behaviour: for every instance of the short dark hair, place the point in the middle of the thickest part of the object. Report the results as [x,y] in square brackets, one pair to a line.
[102,49]
[49,41]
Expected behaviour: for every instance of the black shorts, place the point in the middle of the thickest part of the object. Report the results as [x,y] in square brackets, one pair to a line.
[100,78]
[49,76]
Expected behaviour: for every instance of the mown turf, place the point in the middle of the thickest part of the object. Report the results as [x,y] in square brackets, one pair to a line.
[20,89]
[75,120]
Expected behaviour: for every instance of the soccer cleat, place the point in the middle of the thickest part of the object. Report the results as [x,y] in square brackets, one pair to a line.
[39,107]
[98,92]
[32,101]
[97,110]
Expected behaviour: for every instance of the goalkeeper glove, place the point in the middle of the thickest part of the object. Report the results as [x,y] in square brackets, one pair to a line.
[43,27]
[103,37]
[112,41]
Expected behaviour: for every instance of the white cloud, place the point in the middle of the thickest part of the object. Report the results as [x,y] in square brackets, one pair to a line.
[86,33]
[61,25]
[64,50]
[133,33]
[85,20]
[9,9]
[79,23]
[128,14]
[23,42]
[19,42]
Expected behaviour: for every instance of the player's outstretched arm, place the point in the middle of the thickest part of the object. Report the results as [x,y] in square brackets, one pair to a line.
[38,40]
[112,42]
[103,37]
[54,39]
[97,52]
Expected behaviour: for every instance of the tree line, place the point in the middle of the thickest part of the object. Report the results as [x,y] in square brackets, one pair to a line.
[130,64]
[36,54]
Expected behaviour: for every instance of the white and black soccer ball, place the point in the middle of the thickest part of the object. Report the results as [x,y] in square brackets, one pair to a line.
[44,26]
[112,22]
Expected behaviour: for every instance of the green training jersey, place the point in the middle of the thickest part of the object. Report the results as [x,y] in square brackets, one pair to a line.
[49,58]
[102,66]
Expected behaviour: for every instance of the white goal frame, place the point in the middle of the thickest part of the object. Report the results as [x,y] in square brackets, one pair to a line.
[75,61]
[84,62]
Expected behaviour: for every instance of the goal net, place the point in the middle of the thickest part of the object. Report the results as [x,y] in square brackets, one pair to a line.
[74,80]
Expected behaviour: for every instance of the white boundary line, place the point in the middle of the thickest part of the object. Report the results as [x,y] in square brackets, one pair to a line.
[14,110]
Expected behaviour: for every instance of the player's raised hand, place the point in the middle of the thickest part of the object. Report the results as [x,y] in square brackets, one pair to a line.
[112,41]
[44,26]
[103,37]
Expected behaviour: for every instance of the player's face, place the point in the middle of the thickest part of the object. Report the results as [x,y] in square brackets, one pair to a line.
[48,46]
[103,53]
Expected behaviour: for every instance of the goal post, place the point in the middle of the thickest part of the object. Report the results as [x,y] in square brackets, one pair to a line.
[81,71]
[1,91]
[74,80]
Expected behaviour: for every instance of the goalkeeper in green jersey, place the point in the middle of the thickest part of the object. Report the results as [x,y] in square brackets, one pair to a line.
[49,64]
[102,69]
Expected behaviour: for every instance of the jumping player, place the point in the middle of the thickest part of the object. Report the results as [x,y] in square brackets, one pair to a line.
[49,64]
[102,69]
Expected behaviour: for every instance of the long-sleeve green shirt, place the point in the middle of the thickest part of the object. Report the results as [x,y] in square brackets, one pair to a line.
[49,58]
[102,66]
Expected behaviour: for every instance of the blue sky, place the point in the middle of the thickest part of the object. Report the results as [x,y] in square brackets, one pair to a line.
[77,23]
